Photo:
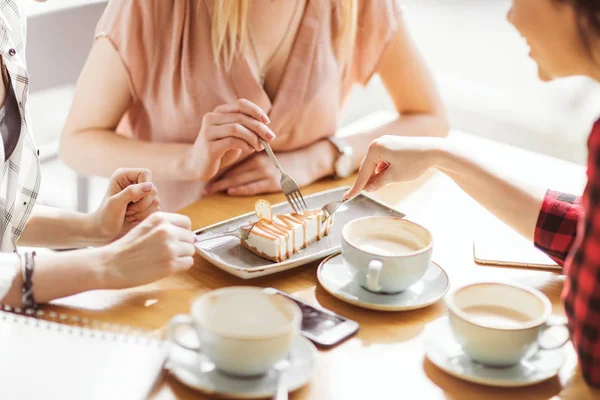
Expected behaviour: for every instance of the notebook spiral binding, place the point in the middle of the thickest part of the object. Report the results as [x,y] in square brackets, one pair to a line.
[79,326]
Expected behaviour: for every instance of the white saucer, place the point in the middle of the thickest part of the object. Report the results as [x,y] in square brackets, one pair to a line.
[336,278]
[198,372]
[442,349]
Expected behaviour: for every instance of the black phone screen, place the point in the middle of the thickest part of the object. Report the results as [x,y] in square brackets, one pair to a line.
[315,321]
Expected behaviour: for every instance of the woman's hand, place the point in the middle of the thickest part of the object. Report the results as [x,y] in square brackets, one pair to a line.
[228,132]
[396,159]
[257,174]
[130,198]
[159,246]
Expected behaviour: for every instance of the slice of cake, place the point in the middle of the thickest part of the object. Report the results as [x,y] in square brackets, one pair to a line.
[277,237]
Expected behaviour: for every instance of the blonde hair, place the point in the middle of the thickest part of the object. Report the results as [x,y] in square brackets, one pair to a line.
[230,27]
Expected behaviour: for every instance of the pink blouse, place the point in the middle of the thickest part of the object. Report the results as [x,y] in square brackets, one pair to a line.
[166,49]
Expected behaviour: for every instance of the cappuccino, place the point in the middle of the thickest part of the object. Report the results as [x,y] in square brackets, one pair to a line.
[496,316]
[385,245]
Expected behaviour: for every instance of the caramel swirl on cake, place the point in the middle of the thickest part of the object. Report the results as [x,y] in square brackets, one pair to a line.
[283,235]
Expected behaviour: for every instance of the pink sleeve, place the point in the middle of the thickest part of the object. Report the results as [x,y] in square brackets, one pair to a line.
[129,26]
[377,23]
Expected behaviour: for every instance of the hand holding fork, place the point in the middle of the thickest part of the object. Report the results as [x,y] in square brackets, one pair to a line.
[289,187]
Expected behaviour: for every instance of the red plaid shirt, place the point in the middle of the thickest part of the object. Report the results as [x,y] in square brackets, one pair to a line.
[568,230]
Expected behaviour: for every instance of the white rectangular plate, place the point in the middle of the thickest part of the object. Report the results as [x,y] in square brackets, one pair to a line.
[229,255]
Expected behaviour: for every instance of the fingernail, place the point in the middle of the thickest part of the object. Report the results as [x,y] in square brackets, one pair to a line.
[146,187]
[265,119]
[260,147]
[346,195]
[271,135]
[130,212]
[129,219]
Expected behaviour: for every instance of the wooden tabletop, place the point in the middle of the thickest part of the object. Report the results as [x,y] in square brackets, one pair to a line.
[386,358]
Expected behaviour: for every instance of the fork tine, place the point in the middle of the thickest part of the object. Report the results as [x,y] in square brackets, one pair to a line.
[298,204]
[291,202]
[302,199]
[299,201]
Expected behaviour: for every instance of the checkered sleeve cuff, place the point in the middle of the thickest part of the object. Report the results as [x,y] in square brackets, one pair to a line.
[556,226]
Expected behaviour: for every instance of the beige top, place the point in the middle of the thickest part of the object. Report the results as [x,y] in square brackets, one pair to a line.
[166,49]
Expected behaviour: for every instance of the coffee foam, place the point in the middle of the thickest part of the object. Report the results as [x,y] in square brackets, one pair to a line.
[249,313]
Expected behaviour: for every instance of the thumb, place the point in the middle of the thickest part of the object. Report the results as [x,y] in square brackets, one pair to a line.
[131,194]
[366,171]
[379,180]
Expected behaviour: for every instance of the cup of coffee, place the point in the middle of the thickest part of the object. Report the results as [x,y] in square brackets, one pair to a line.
[242,330]
[499,324]
[387,255]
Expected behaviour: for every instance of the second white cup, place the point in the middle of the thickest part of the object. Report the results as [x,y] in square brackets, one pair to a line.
[499,324]
[386,254]
[242,330]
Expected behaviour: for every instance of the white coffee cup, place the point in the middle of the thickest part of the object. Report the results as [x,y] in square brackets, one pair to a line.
[242,330]
[386,254]
[499,324]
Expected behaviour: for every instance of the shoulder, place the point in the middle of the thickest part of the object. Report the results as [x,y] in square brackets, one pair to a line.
[380,11]
[13,25]
[147,14]
[376,20]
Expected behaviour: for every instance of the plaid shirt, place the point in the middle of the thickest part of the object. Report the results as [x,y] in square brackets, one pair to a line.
[568,230]
[20,182]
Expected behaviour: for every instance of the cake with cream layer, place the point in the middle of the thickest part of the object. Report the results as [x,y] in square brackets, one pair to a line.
[279,237]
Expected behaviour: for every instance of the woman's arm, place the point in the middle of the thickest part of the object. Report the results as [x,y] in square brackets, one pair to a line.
[397,159]
[55,228]
[57,275]
[130,198]
[515,202]
[90,144]
[162,244]
[413,91]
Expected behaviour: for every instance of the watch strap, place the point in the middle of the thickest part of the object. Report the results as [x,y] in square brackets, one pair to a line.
[337,143]
[341,146]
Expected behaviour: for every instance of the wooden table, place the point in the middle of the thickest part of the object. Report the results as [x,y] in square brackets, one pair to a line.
[386,358]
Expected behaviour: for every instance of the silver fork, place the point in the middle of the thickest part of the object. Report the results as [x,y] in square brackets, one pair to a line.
[242,233]
[289,187]
[330,208]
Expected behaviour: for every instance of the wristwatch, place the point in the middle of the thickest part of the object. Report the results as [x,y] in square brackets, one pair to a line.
[343,164]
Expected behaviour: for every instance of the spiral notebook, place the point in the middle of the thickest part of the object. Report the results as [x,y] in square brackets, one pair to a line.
[46,360]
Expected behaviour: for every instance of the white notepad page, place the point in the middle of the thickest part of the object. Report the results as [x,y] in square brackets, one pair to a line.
[498,244]
[46,360]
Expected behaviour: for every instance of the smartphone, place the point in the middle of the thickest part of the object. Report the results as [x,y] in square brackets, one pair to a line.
[323,327]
